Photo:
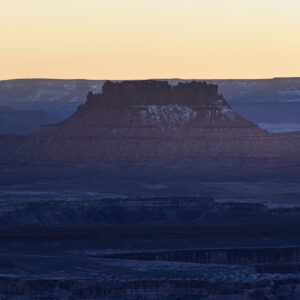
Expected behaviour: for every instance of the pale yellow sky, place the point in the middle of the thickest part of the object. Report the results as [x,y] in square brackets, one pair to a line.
[135,39]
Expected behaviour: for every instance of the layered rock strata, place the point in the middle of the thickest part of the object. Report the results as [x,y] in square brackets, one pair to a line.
[150,123]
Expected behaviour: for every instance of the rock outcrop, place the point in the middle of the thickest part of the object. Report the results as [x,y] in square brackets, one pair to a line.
[150,123]
[153,109]
[235,256]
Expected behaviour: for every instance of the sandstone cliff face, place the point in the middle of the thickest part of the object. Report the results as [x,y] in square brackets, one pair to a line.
[146,122]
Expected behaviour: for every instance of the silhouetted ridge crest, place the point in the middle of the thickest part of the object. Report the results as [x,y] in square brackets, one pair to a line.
[155,92]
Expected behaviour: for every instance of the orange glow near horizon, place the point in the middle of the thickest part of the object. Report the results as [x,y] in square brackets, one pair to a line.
[138,39]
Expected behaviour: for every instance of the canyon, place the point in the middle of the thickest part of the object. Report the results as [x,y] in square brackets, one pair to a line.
[18,121]
[150,190]
[96,246]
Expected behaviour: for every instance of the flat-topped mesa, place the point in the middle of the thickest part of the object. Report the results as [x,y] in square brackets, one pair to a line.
[156,109]
[155,92]
[151,122]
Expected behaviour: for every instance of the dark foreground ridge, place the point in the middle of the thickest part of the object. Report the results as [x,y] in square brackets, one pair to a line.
[88,246]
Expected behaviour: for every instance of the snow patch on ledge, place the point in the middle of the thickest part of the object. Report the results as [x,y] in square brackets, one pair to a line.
[175,113]
[225,112]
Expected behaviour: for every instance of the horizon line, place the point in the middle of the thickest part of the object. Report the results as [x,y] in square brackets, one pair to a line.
[144,79]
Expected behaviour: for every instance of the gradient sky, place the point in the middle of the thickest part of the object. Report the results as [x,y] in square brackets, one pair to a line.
[136,39]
